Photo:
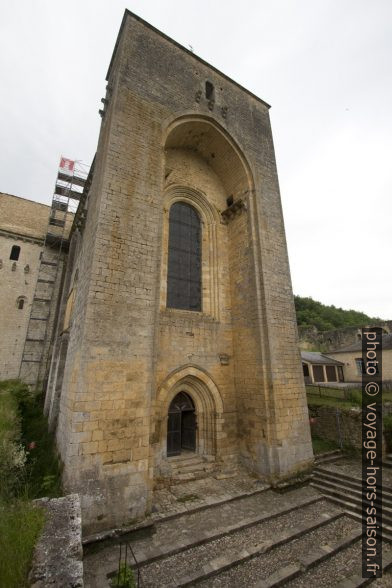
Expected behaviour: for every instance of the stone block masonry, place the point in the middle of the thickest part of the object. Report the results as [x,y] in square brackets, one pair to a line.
[22,229]
[58,555]
[195,137]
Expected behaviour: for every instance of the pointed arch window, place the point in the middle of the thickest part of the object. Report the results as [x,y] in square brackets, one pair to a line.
[184,260]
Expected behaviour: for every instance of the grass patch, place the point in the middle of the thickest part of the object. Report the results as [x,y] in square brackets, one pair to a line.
[43,466]
[20,526]
[323,445]
[29,469]
[323,401]
[339,397]
[187,498]
[8,412]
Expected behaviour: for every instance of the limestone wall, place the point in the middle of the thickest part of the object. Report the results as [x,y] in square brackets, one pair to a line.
[58,554]
[127,354]
[341,425]
[23,224]
[350,368]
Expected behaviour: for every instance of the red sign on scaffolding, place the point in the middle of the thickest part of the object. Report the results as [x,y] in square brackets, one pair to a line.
[67,165]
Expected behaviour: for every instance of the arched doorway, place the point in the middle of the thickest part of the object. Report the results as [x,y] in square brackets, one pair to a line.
[181,425]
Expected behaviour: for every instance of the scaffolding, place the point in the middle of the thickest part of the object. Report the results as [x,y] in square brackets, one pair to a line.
[69,185]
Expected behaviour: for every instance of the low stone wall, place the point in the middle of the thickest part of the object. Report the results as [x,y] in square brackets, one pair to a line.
[58,554]
[342,425]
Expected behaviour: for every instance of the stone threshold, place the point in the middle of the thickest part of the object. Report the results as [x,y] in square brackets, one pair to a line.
[163,551]
[225,562]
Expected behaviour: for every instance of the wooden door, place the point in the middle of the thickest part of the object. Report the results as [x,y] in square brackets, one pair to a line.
[188,430]
[174,433]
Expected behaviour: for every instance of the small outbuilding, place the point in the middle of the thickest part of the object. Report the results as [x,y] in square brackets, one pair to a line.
[318,368]
[351,358]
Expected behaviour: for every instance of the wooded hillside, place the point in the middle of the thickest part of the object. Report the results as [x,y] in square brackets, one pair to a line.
[325,318]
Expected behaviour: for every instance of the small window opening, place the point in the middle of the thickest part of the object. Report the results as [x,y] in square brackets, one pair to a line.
[209,91]
[361,369]
[15,252]
[20,302]
[229,200]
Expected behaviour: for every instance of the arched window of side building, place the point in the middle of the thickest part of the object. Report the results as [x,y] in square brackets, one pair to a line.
[184,260]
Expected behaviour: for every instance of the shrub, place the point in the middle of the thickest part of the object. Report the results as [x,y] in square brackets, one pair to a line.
[29,468]
[124,578]
[12,454]
[355,396]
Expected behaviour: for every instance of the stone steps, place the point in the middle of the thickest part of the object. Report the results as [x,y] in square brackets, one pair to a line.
[328,457]
[345,477]
[149,555]
[354,488]
[216,552]
[267,562]
[341,571]
[356,580]
[354,508]
[185,468]
[346,492]
[194,467]
[264,540]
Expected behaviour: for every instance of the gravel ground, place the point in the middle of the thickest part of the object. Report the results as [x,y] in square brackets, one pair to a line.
[384,582]
[97,564]
[165,500]
[193,560]
[227,514]
[341,566]
[249,573]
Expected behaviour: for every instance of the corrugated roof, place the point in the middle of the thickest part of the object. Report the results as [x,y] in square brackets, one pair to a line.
[320,358]
[386,344]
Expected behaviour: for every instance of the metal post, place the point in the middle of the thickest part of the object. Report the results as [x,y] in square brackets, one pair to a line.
[338,427]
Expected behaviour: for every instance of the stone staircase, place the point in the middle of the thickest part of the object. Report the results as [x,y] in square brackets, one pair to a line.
[328,457]
[187,467]
[262,540]
[345,491]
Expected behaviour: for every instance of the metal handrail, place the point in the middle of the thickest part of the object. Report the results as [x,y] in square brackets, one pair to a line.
[127,546]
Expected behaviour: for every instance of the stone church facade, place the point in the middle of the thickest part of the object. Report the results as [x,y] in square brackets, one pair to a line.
[23,225]
[176,330]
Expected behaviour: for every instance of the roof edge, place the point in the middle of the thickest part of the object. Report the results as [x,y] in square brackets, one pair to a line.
[160,33]
[24,198]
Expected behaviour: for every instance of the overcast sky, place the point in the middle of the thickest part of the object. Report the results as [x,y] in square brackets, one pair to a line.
[325,67]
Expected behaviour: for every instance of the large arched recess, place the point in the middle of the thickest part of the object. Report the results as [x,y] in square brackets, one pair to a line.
[214,144]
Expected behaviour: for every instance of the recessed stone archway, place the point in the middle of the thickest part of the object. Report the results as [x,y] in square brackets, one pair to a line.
[206,398]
